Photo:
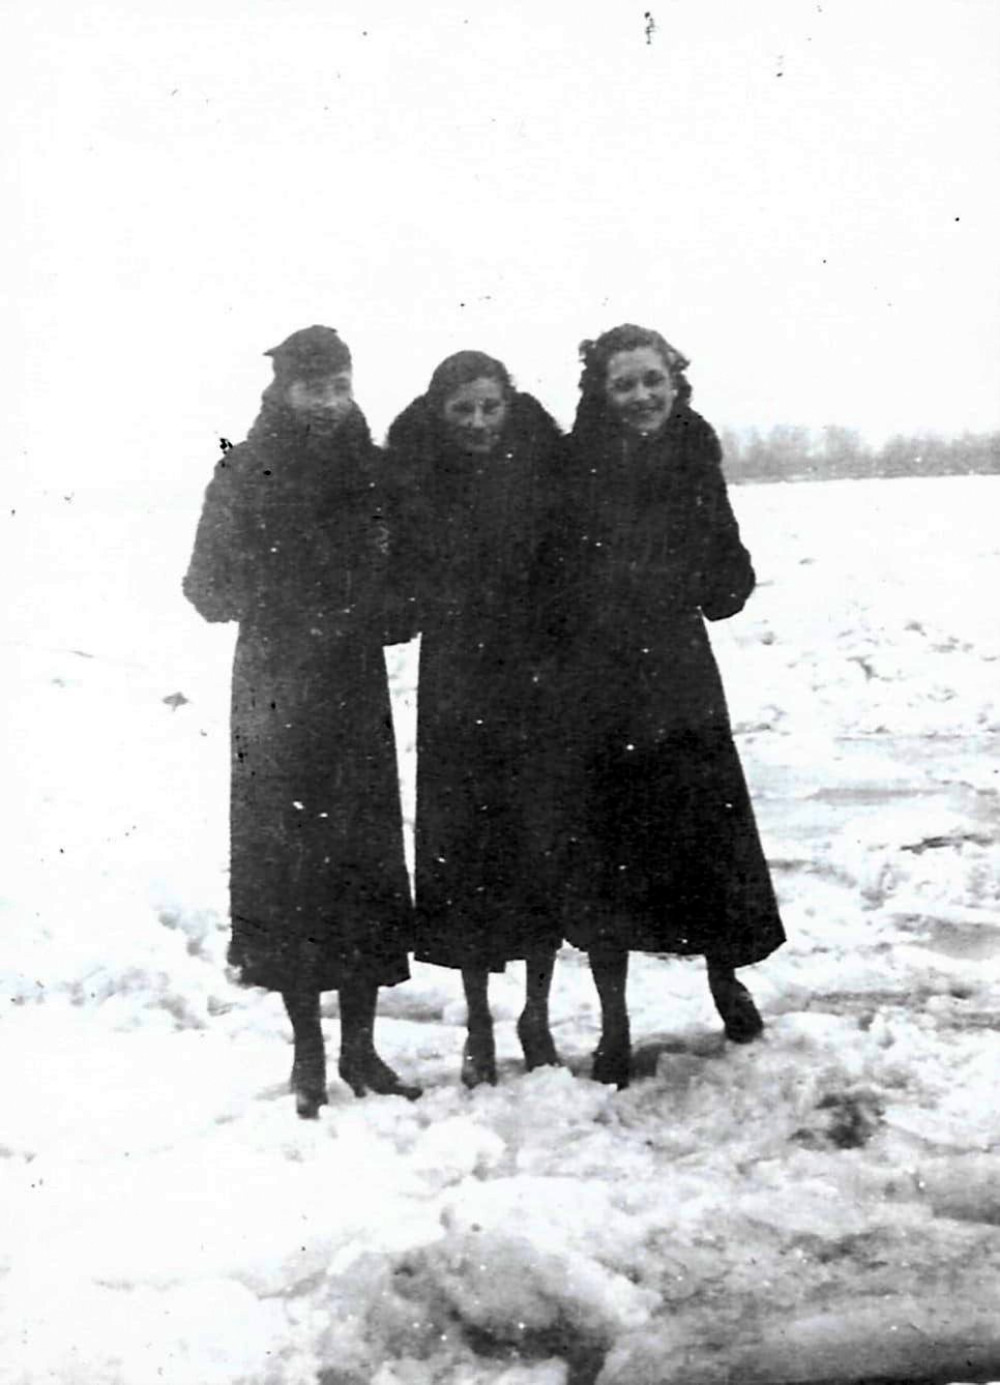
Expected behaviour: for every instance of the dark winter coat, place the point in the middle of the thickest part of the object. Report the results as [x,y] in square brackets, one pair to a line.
[291,544]
[662,851]
[469,531]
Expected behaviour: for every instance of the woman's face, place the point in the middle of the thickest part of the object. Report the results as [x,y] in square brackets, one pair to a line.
[639,389]
[475,414]
[324,403]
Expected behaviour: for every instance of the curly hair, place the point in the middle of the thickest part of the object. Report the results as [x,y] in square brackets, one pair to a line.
[596,355]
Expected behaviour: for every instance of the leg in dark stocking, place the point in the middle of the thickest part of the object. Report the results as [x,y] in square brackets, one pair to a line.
[360,1065]
[308,1080]
[612,1059]
[533,1025]
[479,1058]
[734,1003]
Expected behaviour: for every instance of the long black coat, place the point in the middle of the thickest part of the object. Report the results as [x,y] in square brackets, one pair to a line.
[469,532]
[662,851]
[291,544]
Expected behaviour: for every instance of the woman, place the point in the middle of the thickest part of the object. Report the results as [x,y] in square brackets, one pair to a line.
[291,544]
[664,855]
[470,465]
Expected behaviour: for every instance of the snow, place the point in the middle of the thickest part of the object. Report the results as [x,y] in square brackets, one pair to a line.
[822,1205]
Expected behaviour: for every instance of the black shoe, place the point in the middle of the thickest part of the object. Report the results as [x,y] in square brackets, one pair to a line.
[734,1003]
[479,1059]
[613,1061]
[308,1085]
[366,1073]
[536,1043]
[307,1104]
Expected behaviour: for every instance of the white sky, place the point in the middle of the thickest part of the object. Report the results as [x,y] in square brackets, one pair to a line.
[802,196]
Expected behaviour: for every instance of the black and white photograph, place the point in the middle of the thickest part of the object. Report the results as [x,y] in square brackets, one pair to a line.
[501,693]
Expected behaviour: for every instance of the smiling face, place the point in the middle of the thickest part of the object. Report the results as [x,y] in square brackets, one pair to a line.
[322,403]
[640,390]
[475,414]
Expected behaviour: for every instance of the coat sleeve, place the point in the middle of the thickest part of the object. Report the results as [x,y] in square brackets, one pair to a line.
[409,521]
[558,610]
[399,617]
[215,582]
[723,574]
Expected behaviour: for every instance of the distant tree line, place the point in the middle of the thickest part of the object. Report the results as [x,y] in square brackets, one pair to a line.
[791,453]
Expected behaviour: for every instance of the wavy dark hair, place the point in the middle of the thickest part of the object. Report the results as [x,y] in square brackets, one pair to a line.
[461,369]
[593,408]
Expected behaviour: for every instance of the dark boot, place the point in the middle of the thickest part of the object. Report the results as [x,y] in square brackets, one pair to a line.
[612,1061]
[479,1058]
[537,1043]
[734,1003]
[533,1025]
[308,1079]
[479,1055]
[360,1065]
[613,1056]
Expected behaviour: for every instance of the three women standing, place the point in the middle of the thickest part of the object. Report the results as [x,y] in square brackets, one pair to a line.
[576,772]
[292,545]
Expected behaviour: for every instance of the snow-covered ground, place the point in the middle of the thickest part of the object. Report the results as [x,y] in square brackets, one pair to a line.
[821,1206]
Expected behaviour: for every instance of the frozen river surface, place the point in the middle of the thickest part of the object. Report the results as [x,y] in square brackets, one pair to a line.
[821,1206]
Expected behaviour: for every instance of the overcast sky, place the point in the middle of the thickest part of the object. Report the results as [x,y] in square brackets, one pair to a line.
[802,196]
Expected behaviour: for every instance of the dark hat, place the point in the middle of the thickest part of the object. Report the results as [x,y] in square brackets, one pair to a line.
[310,353]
